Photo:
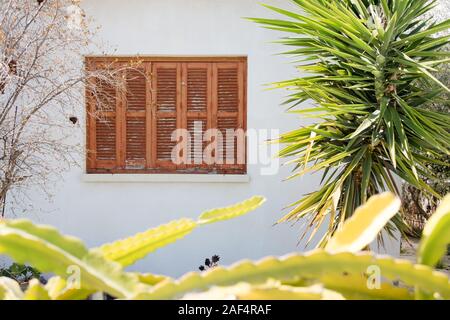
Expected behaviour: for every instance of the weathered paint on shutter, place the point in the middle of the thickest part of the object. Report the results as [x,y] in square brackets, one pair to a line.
[166,78]
[196,106]
[229,112]
[136,113]
[103,138]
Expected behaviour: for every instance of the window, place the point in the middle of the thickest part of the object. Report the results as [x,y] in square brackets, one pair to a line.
[168,115]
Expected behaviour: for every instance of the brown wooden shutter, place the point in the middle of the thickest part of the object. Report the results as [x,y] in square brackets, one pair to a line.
[136,117]
[166,77]
[103,140]
[130,127]
[228,109]
[197,89]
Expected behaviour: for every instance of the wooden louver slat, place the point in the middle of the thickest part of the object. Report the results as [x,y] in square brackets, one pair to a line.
[136,90]
[166,79]
[197,109]
[136,118]
[197,87]
[103,121]
[136,131]
[164,144]
[227,127]
[229,110]
[166,87]
[196,129]
[228,89]
[105,141]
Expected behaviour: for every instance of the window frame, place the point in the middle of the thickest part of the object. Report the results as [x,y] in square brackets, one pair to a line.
[153,166]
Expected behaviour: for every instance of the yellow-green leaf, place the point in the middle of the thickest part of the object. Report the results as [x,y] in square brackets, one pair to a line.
[10,289]
[36,291]
[128,251]
[311,266]
[436,235]
[49,251]
[59,289]
[231,212]
[356,287]
[270,291]
[151,279]
[365,224]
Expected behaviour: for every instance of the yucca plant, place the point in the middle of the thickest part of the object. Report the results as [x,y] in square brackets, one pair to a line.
[419,205]
[369,66]
[340,271]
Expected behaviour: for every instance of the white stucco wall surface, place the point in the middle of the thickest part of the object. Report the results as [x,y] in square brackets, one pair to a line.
[99,212]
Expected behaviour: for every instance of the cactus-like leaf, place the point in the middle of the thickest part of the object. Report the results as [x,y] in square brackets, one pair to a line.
[151,279]
[10,289]
[36,291]
[313,265]
[358,287]
[269,291]
[231,212]
[55,287]
[364,225]
[318,274]
[59,289]
[100,269]
[129,250]
[436,235]
[49,251]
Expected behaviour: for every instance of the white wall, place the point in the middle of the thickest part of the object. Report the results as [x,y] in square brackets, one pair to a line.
[101,212]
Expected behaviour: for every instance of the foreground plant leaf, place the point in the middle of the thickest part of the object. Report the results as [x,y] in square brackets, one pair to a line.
[356,287]
[270,291]
[59,289]
[100,269]
[311,266]
[128,251]
[10,289]
[436,235]
[365,224]
[234,211]
[47,250]
[318,274]
[151,279]
[36,291]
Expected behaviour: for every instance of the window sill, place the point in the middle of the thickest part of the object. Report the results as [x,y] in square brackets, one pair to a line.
[179,178]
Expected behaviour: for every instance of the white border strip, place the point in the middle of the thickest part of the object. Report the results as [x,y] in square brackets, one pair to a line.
[144,178]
